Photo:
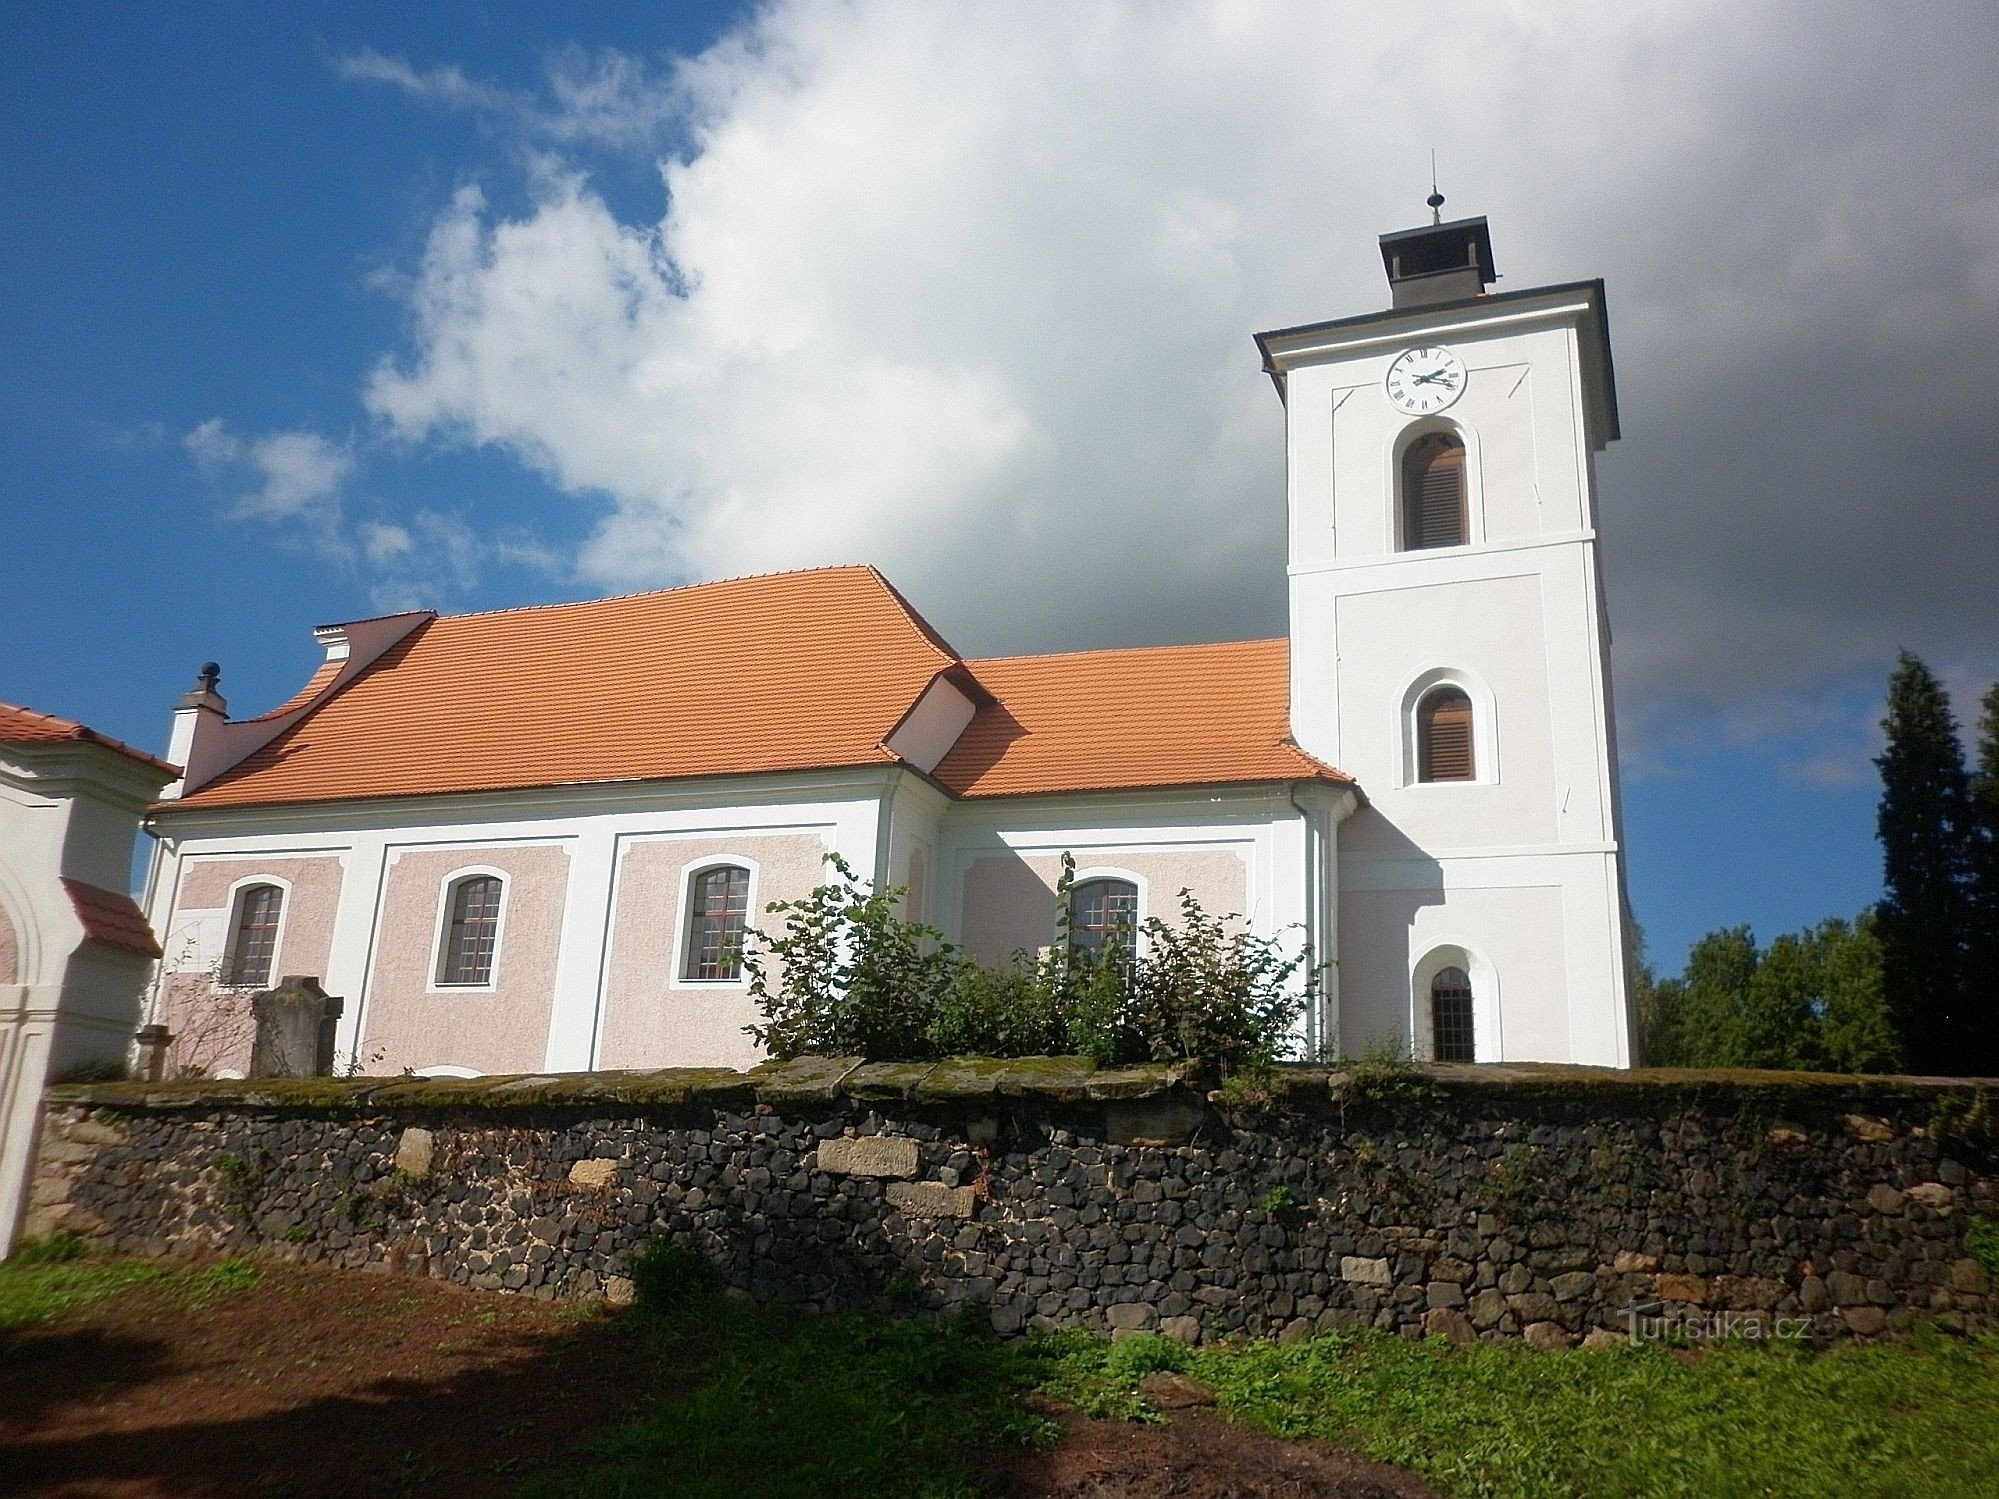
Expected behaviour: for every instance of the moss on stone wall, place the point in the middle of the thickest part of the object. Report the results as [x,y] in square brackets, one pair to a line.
[808,1083]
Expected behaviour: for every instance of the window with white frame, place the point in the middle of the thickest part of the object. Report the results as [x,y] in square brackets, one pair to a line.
[253,936]
[718,906]
[1453,1036]
[1103,912]
[471,937]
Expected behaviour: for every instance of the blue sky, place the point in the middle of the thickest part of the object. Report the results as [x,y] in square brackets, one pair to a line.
[321,310]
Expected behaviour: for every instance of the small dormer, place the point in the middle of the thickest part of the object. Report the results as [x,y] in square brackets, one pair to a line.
[1438,262]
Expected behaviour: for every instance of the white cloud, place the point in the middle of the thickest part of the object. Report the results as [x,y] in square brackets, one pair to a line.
[280,477]
[967,291]
[603,98]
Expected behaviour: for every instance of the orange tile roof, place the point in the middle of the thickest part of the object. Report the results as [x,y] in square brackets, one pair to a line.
[1178,715]
[791,671]
[25,726]
[111,917]
[783,672]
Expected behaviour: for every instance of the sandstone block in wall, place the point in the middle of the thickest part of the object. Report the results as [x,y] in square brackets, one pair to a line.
[94,1132]
[1689,1288]
[619,1291]
[1363,1271]
[594,1173]
[869,1155]
[932,1199]
[1869,1129]
[415,1151]
[1933,1195]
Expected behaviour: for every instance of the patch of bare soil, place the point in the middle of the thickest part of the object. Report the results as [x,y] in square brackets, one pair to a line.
[1197,1456]
[310,1383]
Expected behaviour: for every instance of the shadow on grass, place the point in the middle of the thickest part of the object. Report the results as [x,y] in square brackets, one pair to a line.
[705,1396]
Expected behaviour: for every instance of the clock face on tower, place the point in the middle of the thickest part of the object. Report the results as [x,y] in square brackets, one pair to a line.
[1425,380]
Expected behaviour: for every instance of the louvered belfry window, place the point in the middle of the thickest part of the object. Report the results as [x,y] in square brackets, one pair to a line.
[1444,737]
[473,935]
[254,941]
[1451,1037]
[715,927]
[1434,512]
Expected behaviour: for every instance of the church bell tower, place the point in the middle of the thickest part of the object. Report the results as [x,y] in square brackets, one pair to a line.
[1450,650]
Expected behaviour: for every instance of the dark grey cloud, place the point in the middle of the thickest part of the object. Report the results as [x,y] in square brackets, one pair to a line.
[970,295]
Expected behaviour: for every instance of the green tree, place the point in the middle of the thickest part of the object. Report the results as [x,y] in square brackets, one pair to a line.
[1709,1001]
[1924,827]
[1981,980]
[1856,1031]
[1811,1000]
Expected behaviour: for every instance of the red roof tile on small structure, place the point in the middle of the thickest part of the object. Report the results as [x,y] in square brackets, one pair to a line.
[111,917]
[1177,715]
[25,726]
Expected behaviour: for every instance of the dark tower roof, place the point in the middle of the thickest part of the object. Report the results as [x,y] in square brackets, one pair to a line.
[1438,262]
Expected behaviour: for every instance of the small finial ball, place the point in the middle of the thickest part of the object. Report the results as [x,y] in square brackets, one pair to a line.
[1435,200]
[211,673]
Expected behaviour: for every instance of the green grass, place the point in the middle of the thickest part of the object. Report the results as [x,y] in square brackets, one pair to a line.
[760,1402]
[797,1406]
[42,1281]
[1920,1417]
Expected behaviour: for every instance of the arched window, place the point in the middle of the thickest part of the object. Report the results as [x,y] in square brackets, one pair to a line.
[1434,509]
[1444,737]
[1451,1036]
[718,906]
[472,931]
[1102,911]
[253,936]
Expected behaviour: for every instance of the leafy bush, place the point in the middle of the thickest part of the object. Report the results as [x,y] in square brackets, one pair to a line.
[1981,1242]
[847,976]
[667,1274]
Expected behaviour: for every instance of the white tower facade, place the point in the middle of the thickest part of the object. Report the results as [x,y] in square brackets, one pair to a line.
[1450,650]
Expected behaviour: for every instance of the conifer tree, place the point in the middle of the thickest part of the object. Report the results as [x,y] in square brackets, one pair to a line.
[1925,913]
[1981,974]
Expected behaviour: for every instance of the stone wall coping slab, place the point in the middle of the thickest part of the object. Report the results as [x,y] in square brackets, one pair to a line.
[813,1082]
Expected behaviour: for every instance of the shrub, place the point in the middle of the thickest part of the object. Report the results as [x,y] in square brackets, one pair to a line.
[667,1274]
[847,976]
[854,978]
[1981,1242]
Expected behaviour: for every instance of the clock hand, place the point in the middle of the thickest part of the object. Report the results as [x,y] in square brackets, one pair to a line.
[1435,377]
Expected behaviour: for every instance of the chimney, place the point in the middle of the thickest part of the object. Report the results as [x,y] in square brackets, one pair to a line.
[1438,262]
[198,721]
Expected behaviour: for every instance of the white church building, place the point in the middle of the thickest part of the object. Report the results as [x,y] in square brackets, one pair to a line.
[528,840]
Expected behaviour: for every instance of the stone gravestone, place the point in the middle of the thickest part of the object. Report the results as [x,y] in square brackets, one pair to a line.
[295,1024]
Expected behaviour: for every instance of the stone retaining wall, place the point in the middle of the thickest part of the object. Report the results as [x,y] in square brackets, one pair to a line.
[1546,1202]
